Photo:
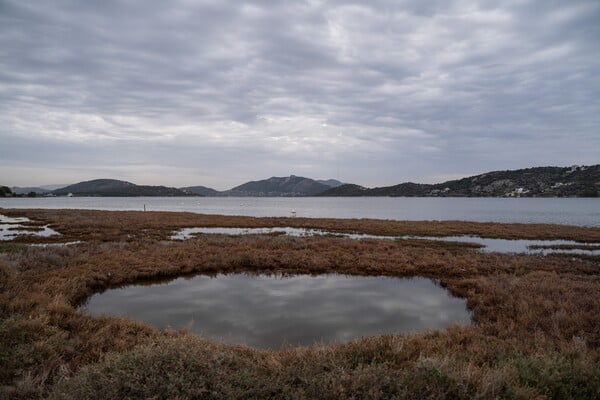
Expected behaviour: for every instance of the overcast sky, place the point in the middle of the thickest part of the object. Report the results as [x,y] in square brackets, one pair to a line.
[220,92]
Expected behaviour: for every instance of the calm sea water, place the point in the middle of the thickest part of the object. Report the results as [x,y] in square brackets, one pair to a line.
[570,211]
[268,311]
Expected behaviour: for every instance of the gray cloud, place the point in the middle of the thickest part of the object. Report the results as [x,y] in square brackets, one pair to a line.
[218,92]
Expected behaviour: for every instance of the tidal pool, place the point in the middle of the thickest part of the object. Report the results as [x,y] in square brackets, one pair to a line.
[268,311]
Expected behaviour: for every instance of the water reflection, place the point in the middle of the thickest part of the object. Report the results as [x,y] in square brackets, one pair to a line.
[268,311]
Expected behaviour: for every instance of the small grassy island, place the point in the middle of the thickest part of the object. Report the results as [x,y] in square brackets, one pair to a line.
[534,332]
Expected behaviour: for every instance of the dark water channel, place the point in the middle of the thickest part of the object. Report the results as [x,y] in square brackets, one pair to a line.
[270,311]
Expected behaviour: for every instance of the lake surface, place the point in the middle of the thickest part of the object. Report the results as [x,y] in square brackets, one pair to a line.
[569,211]
[271,311]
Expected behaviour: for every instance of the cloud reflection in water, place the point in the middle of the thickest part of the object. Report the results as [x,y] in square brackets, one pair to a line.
[268,311]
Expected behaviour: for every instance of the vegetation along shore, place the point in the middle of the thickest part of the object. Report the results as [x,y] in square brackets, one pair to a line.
[534,331]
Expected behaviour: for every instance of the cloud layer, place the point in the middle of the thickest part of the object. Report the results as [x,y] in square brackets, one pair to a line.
[219,92]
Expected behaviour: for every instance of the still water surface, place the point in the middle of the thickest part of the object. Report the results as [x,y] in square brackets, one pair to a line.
[268,311]
[575,211]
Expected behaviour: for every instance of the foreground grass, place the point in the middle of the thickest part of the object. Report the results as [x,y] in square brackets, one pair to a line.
[535,332]
[377,368]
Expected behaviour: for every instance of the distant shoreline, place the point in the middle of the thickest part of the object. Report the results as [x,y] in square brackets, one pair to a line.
[565,211]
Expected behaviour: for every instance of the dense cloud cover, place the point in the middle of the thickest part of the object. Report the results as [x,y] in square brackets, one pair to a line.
[219,92]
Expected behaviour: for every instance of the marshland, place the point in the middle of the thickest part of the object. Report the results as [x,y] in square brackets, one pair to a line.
[531,329]
[299,199]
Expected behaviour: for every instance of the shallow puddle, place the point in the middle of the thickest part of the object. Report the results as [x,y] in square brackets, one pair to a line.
[61,244]
[12,220]
[10,228]
[516,245]
[188,233]
[269,311]
[488,245]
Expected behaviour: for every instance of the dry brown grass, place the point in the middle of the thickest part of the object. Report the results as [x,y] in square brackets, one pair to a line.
[117,225]
[535,331]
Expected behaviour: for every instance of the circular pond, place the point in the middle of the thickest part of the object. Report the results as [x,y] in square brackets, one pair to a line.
[269,311]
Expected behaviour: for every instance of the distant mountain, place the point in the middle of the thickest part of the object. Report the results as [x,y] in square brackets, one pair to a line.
[27,190]
[112,187]
[201,190]
[576,181]
[347,189]
[54,186]
[290,186]
[330,182]
[403,189]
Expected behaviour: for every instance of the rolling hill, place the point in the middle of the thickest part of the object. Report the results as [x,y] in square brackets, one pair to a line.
[576,181]
[290,186]
[113,187]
